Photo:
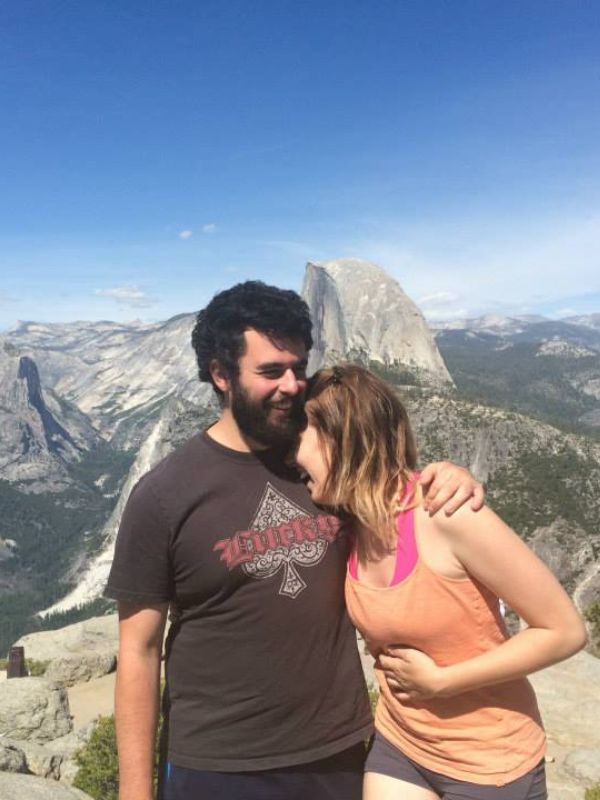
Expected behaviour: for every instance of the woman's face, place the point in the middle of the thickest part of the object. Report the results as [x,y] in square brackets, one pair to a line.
[312,458]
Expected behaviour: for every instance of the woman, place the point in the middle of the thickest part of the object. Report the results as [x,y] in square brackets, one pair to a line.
[456,717]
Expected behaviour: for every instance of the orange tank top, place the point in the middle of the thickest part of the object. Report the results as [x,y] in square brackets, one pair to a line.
[489,736]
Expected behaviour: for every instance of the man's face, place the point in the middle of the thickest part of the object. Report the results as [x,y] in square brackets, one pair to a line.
[267,396]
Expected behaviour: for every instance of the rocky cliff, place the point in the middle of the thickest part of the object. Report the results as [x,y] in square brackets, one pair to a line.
[361,313]
[40,433]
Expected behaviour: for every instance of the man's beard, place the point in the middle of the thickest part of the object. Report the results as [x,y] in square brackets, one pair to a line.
[252,418]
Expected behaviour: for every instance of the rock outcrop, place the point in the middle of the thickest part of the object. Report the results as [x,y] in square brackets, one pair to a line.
[76,653]
[569,699]
[114,372]
[571,555]
[359,311]
[29,787]
[39,435]
[39,759]
[33,709]
[12,757]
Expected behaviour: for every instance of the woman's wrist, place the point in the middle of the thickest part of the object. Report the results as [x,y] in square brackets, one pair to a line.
[445,682]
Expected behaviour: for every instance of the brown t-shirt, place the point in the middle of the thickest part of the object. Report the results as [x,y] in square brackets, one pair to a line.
[262,665]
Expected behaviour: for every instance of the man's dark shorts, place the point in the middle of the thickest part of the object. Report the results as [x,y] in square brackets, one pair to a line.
[338,777]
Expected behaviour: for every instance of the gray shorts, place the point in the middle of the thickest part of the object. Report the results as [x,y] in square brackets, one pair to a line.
[385,759]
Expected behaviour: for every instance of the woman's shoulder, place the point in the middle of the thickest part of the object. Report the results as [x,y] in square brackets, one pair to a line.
[463,522]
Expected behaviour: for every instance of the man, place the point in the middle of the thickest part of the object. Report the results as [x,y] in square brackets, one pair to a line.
[265,692]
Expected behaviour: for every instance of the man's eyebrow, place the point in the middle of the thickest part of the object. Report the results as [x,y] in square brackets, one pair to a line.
[301,362]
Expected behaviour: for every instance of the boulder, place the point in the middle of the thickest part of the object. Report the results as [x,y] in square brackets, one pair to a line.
[80,668]
[30,787]
[65,749]
[12,758]
[569,698]
[32,708]
[53,759]
[77,653]
[41,759]
[584,764]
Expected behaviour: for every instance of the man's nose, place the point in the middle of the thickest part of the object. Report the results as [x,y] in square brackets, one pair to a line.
[289,383]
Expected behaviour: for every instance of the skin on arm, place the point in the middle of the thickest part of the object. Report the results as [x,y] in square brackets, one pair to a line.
[448,486]
[493,554]
[137,696]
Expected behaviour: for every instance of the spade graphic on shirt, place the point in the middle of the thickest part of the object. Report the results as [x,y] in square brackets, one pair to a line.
[281,537]
[273,510]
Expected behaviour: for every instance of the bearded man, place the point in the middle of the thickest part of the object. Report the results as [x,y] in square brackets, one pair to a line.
[265,697]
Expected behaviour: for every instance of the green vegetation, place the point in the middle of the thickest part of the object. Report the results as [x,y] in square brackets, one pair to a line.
[51,531]
[35,669]
[98,772]
[396,374]
[509,374]
[373,696]
[540,486]
[593,793]
[59,619]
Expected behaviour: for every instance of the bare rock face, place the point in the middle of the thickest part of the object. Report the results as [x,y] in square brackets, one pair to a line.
[109,370]
[64,749]
[39,759]
[32,708]
[570,554]
[569,699]
[12,758]
[53,759]
[29,787]
[359,311]
[39,434]
[77,653]
[584,764]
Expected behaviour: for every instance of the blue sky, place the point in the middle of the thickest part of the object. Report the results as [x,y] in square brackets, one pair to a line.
[152,153]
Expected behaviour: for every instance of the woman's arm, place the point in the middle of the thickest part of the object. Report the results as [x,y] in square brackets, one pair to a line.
[493,554]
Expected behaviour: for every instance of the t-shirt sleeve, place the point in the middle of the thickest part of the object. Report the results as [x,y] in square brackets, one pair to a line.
[140,571]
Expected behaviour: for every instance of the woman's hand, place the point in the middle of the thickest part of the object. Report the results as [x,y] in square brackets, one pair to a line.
[410,674]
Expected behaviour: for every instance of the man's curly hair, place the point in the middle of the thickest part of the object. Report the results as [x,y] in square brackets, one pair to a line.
[219,330]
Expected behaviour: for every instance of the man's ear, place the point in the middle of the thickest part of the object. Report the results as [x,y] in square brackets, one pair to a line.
[219,376]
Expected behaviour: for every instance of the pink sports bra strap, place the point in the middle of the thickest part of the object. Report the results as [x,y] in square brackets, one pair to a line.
[353,561]
[406,549]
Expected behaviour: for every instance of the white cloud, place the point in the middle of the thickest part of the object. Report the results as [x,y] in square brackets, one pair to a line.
[443,313]
[566,312]
[185,234]
[438,297]
[494,266]
[210,227]
[127,295]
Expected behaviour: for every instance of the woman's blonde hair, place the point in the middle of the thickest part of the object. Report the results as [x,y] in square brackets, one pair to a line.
[371,448]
